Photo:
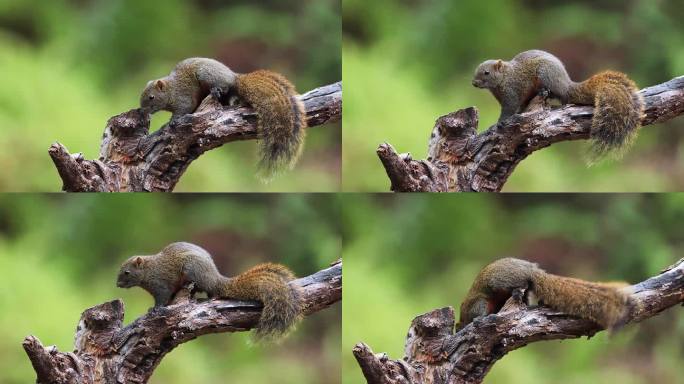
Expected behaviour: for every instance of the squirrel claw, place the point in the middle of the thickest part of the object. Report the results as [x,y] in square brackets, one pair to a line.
[175,121]
[544,93]
[234,101]
[217,93]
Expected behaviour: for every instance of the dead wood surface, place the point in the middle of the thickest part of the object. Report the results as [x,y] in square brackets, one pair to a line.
[459,159]
[105,351]
[133,160]
[434,353]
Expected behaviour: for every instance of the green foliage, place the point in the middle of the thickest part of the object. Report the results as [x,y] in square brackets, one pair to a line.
[69,66]
[61,254]
[408,62]
[406,255]
[121,33]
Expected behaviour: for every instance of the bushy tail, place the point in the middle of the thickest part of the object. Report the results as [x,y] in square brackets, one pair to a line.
[267,283]
[282,120]
[603,303]
[617,113]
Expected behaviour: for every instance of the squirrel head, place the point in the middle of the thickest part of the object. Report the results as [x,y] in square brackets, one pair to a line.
[489,74]
[155,97]
[132,272]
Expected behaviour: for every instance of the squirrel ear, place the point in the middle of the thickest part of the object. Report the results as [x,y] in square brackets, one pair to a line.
[160,84]
[138,260]
[498,64]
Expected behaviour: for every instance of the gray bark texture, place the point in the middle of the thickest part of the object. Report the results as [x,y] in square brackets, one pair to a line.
[133,160]
[434,353]
[105,351]
[460,160]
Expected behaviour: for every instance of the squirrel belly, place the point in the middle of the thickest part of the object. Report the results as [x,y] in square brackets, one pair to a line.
[166,272]
[280,113]
[618,107]
[603,303]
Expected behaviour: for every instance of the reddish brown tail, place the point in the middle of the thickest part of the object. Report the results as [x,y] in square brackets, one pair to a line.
[282,120]
[617,113]
[267,283]
[603,303]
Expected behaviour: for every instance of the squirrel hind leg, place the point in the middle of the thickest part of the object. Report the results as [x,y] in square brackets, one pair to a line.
[531,298]
[544,93]
[551,99]
[234,100]
[221,95]
[227,97]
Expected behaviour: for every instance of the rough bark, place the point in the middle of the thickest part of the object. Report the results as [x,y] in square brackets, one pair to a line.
[107,352]
[132,159]
[460,159]
[434,353]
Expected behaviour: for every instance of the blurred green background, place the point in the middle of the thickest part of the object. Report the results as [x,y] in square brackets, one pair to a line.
[408,62]
[406,255]
[66,66]
[61,254]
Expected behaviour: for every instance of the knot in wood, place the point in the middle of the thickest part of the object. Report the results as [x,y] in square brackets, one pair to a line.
[104,316]
[129,124]
[437,323]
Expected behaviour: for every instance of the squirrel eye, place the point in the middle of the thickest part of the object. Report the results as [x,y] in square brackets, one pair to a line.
[486,72]
[151,97]
[127,272]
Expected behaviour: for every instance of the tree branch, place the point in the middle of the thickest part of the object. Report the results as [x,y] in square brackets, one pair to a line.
[132,159]
[435,354]
[107,352]
[460,159]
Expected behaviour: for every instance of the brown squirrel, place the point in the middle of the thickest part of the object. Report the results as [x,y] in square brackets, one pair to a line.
[281,116]
[165,273]
[603,303]
[618,105]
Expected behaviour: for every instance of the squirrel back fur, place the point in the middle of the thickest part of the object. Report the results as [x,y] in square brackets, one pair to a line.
[603,303]
[618,107]
[166,272]
[280,113]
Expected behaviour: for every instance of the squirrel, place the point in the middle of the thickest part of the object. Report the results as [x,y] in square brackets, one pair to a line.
[166,272]
[603,303]
[618,105]
[280,113]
